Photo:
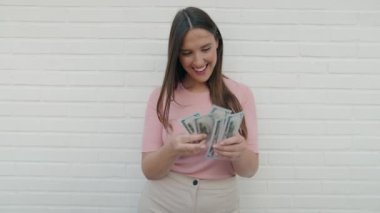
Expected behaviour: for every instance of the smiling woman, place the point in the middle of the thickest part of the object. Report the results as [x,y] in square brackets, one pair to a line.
[198,58]
[180,178]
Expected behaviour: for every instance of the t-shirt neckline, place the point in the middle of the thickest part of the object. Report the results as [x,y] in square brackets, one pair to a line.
[191,92]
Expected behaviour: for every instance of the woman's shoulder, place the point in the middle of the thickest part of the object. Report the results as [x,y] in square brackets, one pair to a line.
[156,91]
[236,87]
[242,91]
[154,95]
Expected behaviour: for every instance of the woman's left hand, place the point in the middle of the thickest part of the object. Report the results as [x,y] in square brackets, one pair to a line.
[231,148]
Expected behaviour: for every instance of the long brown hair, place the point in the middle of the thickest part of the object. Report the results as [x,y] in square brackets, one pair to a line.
[220,95]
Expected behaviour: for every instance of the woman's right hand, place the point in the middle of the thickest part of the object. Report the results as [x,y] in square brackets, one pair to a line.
[157,164]
[187,145]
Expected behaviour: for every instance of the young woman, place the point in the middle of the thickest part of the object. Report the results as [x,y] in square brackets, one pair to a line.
[180,178]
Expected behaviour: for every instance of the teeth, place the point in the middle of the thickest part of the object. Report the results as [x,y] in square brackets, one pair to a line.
[200,69]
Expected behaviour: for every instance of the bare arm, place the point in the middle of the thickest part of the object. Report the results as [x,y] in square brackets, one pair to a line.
[247,165]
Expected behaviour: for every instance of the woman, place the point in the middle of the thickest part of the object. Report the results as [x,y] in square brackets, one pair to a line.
[180,178]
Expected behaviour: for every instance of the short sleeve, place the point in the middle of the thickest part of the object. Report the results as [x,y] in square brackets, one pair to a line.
[152,134]
[249,109]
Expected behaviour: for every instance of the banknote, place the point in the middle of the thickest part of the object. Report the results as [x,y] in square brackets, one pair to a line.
[215,137]
[218,124]
[224,128]
[189,123]
[205,124]
[232,125]
[219,112]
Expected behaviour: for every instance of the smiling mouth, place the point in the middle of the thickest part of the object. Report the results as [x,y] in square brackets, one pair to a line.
[201,69]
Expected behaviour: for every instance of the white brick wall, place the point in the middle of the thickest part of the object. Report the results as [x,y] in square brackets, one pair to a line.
[75,76]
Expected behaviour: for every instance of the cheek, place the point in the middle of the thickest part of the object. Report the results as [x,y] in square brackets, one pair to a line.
[185,62]
[213,57]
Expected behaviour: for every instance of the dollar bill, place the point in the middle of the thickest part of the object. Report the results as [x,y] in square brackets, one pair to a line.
[224,128]
[189,123]
[218,124]
[204,124]
[233,125]
[219,112]
[215,137]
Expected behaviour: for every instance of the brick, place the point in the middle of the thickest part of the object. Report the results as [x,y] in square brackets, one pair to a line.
[366,128]
[243,4]
[325,81]
[278,111]
[246,187]
[19,124]
[292,127]
[33,109]
[34,14]
[353,5]
[364,173]
[369,19]
[96,110]
[365,143]
[322,173]
[280,173]
[44,78]
[313,34]
[269,201]
[269,80]
[276,143]
[334,202]
[88,47]
[332,142]
[352,159]
[261,49]
[295,188]
[328,50]
[327,18]
[61,94]
[98,79]
[324,112]
[354,66]
[366,113]
[136,110]
[144,78]
[97,170]
[369,51]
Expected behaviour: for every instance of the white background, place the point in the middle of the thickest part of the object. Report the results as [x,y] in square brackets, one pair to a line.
[75,76]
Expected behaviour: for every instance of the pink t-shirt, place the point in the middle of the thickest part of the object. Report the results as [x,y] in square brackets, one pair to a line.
[187,104]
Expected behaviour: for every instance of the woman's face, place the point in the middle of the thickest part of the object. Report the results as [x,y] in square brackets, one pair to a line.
[198,56]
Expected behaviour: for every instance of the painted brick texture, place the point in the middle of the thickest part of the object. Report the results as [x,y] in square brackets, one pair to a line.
[75,77]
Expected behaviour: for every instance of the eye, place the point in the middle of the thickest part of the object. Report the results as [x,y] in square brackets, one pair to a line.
[206,49]
[185,53]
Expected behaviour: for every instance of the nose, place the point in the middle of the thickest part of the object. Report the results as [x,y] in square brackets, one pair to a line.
[198,60]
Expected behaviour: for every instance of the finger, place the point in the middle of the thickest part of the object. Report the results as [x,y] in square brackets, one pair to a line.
[194,146]
[192,149]
[227,155]
[232,140]
[193,138]
[227,148]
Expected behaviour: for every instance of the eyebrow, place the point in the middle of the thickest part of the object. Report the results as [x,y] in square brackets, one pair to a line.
[206,45]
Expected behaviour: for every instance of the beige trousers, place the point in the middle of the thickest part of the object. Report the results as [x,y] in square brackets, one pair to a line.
[177,193]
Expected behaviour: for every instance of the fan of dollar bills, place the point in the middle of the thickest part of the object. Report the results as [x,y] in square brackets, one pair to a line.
[218,124]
